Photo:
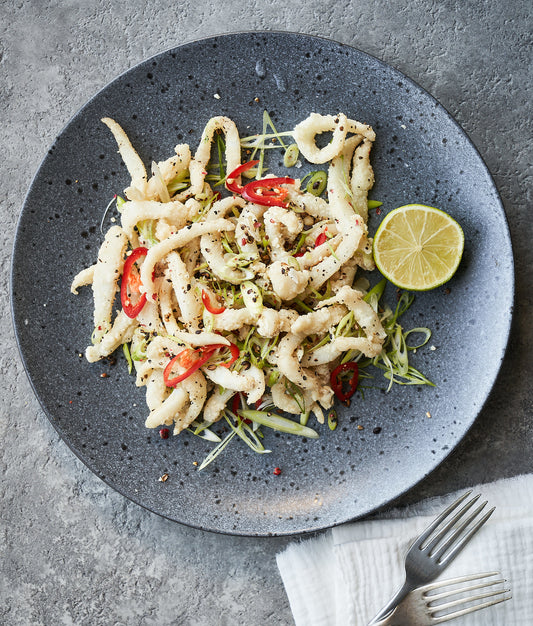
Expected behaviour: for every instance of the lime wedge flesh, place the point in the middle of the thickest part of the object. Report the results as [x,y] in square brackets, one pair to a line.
[418,247]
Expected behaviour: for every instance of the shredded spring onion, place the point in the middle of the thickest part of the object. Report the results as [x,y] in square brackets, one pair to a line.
[277,422]
[291,156]
[127,356]
[217,450]
[146,230]
[317,182]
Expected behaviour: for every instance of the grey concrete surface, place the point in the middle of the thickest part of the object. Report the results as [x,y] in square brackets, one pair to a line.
[71,550]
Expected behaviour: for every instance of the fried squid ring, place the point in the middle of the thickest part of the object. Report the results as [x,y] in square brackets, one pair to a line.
[318,322]
[362,179]
[272,322]
[309,203]
[287,281]
[121,332]
[176,165]
[181,238]
[131,159]
[187,296]
[251,381]
[216,403]
[347,247]
[232,319]
[306,131]
[82,279]
[198,165]
[105,278]
[281,226]
[133,212]
[196,387]
[156,390]
[169,410]
[289,365]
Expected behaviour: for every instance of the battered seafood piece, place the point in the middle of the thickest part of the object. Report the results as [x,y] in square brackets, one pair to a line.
[247,296]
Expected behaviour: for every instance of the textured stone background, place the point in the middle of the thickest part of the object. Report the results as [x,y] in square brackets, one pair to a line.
[74,552]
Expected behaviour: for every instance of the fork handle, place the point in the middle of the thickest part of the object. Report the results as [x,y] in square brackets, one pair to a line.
[404,590]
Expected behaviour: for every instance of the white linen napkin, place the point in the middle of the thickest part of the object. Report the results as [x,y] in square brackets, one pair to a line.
[345,576]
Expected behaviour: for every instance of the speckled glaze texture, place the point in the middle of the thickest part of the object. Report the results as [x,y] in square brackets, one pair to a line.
[420,155]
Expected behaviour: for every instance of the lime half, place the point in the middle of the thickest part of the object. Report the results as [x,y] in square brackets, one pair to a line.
[418,247]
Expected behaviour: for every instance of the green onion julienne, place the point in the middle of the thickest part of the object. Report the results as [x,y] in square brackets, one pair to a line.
[146,231]
[203,431]
[178,183]
[246,433]
[394,357]
[221,148]
[317,182]
[277,422]
[217,450]
[127,356]
[291,156]
[332,419]
[257,142]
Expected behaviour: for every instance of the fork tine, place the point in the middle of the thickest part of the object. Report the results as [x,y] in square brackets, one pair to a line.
[470,609]
[454,581]
[431,599]
[457,547]
[480,596]
[456,533]
[450,524]
[436,522]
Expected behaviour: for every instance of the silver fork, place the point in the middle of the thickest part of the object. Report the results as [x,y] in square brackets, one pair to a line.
[437,546]
[424,608]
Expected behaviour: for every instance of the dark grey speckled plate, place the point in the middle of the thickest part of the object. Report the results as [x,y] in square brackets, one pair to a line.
[421,155]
